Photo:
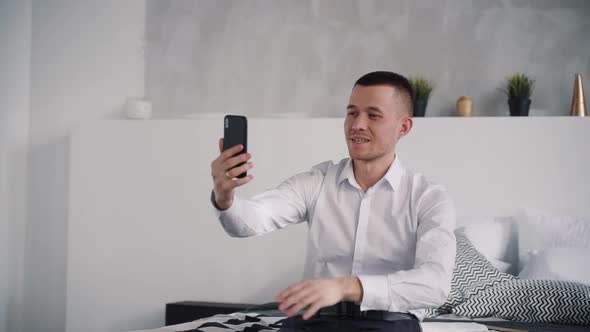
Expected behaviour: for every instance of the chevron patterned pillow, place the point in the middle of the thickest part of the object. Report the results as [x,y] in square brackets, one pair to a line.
[473,273]
[532,301]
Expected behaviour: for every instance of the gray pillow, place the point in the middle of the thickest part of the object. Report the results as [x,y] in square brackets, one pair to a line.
[473,273]
[532,301]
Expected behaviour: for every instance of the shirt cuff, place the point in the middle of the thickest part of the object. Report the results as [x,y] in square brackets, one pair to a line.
[375,292]
[213,201]
[217,210]
[231,211]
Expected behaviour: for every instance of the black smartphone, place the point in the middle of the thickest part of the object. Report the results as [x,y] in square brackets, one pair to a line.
[235,132]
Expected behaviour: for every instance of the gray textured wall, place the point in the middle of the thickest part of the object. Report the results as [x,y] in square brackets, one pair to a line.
[263,57]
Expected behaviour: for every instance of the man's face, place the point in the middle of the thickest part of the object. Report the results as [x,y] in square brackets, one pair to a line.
[376,118]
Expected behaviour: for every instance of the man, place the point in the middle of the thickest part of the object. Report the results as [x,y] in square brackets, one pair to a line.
[380,235]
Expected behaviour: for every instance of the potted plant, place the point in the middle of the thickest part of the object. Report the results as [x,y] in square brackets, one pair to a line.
[519,88]
[422,88]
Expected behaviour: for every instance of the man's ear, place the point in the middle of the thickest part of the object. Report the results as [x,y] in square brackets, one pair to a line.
[407,124]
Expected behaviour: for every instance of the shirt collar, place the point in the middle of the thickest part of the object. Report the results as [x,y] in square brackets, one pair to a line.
[393,175]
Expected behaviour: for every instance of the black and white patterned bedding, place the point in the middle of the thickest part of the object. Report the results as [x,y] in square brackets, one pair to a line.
[242,322]
[246,322]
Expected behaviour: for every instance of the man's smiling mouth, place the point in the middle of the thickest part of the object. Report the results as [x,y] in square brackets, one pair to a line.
[360,140]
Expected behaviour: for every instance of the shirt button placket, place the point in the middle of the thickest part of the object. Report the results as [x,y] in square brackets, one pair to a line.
[360,241]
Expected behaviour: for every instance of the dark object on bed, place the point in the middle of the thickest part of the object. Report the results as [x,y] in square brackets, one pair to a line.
[321,323]
[188,311]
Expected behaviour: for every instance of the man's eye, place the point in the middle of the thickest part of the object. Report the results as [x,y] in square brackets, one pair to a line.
[352,113]
[373,116]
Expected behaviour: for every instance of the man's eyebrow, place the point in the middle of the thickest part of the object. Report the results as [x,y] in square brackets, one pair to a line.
[370,108]
[374,108]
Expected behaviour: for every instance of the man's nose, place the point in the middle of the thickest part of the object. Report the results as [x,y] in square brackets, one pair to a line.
[360,122]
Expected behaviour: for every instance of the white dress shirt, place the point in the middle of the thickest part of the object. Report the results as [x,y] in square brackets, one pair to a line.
[397,237]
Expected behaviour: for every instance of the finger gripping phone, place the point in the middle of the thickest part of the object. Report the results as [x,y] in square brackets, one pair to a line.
[235,132]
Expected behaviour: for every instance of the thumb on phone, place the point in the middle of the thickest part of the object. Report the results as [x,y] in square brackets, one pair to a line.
[220,145]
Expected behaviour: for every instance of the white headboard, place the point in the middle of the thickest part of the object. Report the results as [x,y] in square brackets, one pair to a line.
[142,232]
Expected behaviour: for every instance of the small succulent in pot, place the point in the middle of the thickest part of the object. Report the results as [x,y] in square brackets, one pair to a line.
[519,88]
[422,89]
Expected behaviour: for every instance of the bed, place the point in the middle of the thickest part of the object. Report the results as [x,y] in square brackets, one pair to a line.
[550,292]
[270,320]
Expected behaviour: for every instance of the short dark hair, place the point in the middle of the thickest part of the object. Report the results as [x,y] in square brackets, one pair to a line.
[397,81]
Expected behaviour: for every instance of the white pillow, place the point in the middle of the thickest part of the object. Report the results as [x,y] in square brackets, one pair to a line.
[501,265]
[494,237]
[567,264]
[541,230]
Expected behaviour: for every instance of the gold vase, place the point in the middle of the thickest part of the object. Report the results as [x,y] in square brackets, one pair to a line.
[578,100]
[464,106]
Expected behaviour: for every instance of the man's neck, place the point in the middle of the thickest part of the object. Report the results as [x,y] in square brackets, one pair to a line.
[367,173]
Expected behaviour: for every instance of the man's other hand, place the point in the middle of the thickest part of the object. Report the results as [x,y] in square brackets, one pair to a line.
[318,293]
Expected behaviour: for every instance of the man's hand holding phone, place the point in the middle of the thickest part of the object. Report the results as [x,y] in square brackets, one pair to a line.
[225,172]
